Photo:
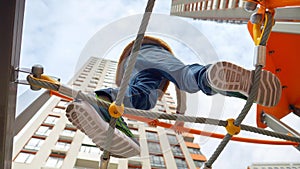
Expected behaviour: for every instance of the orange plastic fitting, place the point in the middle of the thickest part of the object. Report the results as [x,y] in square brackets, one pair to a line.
[231,128]
[115,110]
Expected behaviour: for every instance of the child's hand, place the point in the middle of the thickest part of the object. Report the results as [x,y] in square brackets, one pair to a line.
[178,124]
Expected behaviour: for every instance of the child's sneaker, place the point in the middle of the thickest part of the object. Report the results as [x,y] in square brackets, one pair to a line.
[91,122]
[228,77]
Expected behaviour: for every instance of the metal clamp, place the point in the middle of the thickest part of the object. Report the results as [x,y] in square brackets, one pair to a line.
[36,71]
[260,56]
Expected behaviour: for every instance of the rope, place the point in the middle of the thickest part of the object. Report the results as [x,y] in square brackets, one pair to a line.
[91,99]
[203,120]
[126,77]
[134,53]
[43,83]
[240,118]
[267,30]
[252,95]
[270,133]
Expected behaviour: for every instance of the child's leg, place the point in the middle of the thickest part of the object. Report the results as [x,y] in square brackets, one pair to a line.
[230,78]
[223,77]
[87,119]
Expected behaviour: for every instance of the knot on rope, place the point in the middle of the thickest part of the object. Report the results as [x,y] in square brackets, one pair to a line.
[231,128]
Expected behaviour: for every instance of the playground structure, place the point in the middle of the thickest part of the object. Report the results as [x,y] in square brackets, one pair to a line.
[263,38]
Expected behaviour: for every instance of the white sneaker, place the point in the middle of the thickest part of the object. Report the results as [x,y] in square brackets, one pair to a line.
[228,77]
[84,116]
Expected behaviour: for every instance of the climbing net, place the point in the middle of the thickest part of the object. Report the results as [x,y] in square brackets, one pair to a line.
[117,109]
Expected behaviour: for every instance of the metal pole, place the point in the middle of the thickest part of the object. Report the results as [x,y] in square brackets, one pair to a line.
[11,18]
[278,125]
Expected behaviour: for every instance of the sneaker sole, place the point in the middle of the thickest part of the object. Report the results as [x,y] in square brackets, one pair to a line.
[89,122]
[226,76]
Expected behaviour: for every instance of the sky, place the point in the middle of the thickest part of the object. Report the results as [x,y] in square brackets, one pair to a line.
[56,34]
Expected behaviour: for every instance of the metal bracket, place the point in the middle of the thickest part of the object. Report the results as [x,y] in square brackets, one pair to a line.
[36,70]
[21,81]
[278,126]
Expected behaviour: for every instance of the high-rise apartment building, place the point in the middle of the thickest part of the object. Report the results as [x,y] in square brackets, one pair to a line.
[231,11]
[275,166]
[217,10]
[49,141]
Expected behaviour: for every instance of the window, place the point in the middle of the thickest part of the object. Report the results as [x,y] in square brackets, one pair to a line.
[59,110]
[55,162]
[43,131]
[62,145]
[95,78]
[78,167]
[172,139]
[86,70]
[151,136]
[94,81]
[109,80]
[62,104]
[172,107]
[79,80]
[51,119]
[134,165]
[194,150]
[34,144]
[157,161]
[154,148]
[181,163]
[76,84]
[24,157]
[198,163]
[177,151]
[68,132]
[89,149]
[135,132]
[92,86]
[162,110]
[106,84]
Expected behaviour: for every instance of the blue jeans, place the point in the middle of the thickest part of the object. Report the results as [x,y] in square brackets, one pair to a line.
[153,66]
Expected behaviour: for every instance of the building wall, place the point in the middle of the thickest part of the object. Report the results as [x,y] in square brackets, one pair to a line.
[231,11]
[50,141]
[275,166]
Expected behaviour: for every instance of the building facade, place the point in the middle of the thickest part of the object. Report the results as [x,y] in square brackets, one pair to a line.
[216,10]
[50,141]
[275,166]
[225,11]
[232,11]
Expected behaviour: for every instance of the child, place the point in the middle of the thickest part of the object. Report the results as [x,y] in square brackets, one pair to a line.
[155,67]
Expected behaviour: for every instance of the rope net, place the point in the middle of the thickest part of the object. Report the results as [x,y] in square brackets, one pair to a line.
[149,115]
